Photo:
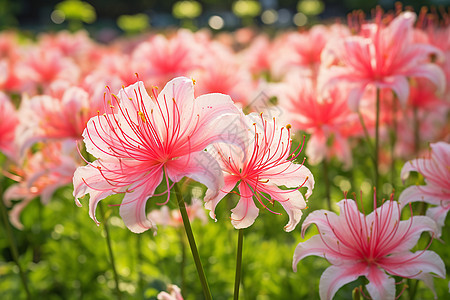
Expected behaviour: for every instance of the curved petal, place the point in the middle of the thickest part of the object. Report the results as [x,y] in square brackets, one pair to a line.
[400,85]
[322,218]
[200,166]
[132,208]
[438,214]
[409,232]
[355,95]
[381,286]
[245,212]
[432,72]
[422,193]
[291,176]
[292,202]
[334,277]
[219,120]
[313,246]
[212,198]
[412,265]
[14,214]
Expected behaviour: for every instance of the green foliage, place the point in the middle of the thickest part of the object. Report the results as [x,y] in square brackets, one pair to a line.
[133,24]
[77,10]
[65,254]
[187,9]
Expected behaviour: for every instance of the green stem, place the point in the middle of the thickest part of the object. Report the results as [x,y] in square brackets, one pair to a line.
[110,251]
[377,140]
[183,263]
[327,183]
[237,280]
[366,132]
[413,288]
[193,246]
[393,140]
[12,244]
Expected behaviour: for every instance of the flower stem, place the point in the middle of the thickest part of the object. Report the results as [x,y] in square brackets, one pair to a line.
[377,140]
[366,135]
[193,246]
[110,251]
[183,262]
[12,244]
[393,140]
[237,280]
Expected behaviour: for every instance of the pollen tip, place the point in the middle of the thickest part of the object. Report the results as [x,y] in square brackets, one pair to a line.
[194,81]
[288,126]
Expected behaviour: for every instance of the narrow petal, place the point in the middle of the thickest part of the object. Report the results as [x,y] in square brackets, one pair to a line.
[313,246]
[132,209]
[412,265]
[14,214]
[409,232]
[381,286]
[219,121]
[292,176]
[355,95]
[245,212]
[400,85]
[422,193]
[322,218]
[334,277]
[200,166]
[212,198]
[432,72]
[292,202]
[438,214]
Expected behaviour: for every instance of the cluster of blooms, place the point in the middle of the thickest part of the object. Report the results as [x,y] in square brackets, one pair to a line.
[324,81]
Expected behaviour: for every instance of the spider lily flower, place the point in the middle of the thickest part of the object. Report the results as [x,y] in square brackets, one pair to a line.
[265,164]
[61,115]
[40,175]
[381,56]
[327,120]
[372,246]
[435,170]
[142,140]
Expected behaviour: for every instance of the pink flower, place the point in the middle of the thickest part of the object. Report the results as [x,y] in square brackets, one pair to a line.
[8,124]
[40,175]
[265,164]
[144,139]
[371,246]
[382,56]
[175,293]
[62,115]
[42,66]
[303,49]
[220,72]
[435,170]
[326,119]
[163,58]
